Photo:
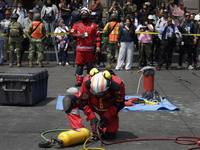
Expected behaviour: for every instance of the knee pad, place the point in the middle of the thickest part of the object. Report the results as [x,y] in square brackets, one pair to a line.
[79,70]
[89,66]
[68,103]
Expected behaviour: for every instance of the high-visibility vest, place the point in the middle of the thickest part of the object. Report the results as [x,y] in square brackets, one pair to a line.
[38,33]
[115,32]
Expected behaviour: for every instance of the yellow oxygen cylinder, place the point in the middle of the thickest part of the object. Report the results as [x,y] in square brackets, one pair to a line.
[73,137]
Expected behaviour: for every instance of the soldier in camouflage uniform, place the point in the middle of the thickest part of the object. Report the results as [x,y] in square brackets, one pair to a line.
[112,34]
[36,35]
[129,10]
[15,33]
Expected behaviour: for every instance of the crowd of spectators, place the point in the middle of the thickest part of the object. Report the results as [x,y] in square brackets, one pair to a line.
[167,19]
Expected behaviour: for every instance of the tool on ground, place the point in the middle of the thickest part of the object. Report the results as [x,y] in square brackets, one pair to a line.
[148,86]
[71,137]
[66,138]
[133,101]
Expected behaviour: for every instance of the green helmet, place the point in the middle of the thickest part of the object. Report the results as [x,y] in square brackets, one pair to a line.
[37,16]
[113,16]
[14,16]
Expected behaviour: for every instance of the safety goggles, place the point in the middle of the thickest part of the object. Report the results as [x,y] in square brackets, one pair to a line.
[101,94]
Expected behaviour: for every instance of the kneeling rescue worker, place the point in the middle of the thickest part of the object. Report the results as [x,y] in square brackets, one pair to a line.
[102,93]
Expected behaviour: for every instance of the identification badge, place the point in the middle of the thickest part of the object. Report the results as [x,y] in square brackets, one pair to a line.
[86,34]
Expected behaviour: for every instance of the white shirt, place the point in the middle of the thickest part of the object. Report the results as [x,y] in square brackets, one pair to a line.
[59,30]
[6,22]
[22,14]
[49,10]
[136,22]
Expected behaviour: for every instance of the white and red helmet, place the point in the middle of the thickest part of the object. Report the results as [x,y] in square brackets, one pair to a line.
[99,84]
[85,10]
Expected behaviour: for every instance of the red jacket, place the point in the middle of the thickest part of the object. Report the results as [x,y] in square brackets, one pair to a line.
[87,43]
[111,104]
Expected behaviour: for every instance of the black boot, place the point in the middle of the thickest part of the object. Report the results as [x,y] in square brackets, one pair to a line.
[78,84]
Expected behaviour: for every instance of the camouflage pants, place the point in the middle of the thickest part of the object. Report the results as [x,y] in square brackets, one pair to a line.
[36,46]
[145,54]
[15,43]
[112,48]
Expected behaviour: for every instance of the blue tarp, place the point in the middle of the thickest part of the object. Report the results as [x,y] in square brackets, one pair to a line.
[165,105]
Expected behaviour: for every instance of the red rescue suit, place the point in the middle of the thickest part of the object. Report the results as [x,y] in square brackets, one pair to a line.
[90,31]
[108,106]
[85,46]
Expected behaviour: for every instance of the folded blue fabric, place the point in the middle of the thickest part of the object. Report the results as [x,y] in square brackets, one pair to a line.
[165,105]
[59,105]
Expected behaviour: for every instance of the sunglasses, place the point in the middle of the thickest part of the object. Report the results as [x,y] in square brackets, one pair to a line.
[187,15]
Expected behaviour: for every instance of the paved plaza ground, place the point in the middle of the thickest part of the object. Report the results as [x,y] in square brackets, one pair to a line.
[21,126]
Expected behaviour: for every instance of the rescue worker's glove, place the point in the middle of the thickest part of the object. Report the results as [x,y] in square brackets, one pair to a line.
[103,122]
[93,124]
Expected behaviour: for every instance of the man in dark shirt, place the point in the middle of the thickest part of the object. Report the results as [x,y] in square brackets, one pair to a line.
[188,27]
[98,8]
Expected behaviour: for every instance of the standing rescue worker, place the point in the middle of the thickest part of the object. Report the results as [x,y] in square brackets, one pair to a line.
[15,33]
[85,31]
[111,30]
[36,35]
[102,93]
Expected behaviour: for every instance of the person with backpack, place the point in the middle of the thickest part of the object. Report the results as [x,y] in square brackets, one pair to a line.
[168,32]
[36,35]
[15,33]
[75,15]
[111,31]
[21,12]
[49,15]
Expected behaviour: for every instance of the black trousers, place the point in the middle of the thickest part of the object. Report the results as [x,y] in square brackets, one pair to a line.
[188,48]
[25,47]
[165,55]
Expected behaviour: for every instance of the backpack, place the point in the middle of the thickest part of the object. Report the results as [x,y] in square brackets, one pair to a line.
[14,29]
[75,13]
[64,13]
[23,11]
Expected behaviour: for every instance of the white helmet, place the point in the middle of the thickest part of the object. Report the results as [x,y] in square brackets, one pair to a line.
[85,10]
[99,84]
[71,90]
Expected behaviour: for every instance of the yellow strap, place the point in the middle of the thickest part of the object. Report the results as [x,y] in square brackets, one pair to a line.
[67,33]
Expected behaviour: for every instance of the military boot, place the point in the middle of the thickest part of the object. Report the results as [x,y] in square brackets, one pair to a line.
[19,64]
[40,64]
[108,65]
[30,63]
[11,63]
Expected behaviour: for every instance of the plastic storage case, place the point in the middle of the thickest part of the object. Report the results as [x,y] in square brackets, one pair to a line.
[24,86]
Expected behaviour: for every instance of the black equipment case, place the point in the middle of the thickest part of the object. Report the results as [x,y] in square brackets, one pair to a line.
[23,86]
